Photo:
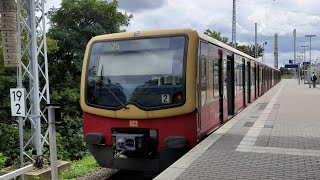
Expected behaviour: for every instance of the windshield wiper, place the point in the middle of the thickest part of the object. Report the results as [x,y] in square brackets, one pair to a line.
[116,97]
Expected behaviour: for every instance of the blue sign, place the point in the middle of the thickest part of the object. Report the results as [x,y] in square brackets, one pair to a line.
[290,61]
[291,66]
[306,63]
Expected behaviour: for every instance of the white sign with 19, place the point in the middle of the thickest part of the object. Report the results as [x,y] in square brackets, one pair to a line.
[18,101]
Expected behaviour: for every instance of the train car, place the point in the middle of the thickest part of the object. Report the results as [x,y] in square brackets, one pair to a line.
[148,97]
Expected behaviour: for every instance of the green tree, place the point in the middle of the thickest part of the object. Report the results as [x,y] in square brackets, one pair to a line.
[9,146]
[216,35]
[77,21]
[72,26]
[250,50]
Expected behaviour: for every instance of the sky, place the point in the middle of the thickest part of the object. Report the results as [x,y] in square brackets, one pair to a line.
[272,16]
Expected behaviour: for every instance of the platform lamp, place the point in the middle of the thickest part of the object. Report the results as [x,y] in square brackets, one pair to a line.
[310,36]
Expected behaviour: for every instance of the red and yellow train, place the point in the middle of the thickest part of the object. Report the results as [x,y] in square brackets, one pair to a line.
[148,97]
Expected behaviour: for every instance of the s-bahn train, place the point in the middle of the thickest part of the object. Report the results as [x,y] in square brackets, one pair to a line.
[148,97]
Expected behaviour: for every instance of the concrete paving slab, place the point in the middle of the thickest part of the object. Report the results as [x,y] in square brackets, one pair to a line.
[282,141]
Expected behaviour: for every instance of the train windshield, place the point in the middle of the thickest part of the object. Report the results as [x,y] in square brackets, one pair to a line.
[148,73]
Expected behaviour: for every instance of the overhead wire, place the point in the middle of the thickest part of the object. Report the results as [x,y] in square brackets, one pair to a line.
[268,6]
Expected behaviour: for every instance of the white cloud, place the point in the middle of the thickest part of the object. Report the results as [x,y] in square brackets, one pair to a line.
[140,5]
[277,16]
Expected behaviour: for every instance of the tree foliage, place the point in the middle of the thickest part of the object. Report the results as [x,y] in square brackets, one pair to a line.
[216,35]
[77,21]
[250,49]
[9,133]
[72,26]
[9,146]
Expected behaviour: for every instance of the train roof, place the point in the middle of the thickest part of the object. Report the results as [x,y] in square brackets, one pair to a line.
[176,31]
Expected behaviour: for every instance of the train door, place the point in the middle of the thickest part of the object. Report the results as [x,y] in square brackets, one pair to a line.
[213,90]
[262,80]
[272,82]
[268,77]
[258,80]
[264,83]
[248,76]
[254,83]
[244,82]
[222,84]
[202,86]
[230,83]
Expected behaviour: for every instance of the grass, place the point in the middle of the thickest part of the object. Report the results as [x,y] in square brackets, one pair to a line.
[79,168]
[2,160]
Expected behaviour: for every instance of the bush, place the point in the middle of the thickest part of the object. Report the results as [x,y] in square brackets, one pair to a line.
[70,143]
[9,146]
[2,160]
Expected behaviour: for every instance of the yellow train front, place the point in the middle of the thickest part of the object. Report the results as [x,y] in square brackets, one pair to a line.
[148,97]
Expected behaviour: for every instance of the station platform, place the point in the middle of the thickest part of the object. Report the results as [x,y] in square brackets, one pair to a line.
[275,137]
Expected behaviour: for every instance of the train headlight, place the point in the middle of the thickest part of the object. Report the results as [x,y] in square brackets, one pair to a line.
[114,141]
[178,99]
[153,134]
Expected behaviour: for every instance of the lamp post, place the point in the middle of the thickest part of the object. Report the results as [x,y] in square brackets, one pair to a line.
[299,62]
[310,36]
[294,47]
[304,53]
[304,59]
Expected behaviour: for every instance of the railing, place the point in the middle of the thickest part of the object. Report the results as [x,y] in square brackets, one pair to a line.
[16,173]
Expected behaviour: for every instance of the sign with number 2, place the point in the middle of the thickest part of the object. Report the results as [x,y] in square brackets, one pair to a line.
[18,99]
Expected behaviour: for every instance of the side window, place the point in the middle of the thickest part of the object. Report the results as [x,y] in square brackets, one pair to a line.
[241,74]
[217,58]
[235,76]
[203,58]
[252,74]
[238,79]
[214,74]
[248,75]
[203,63]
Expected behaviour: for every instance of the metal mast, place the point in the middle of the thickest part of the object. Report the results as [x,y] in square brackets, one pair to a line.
[234,28]
[310,36]
[276,51]
[33,69]
[256,40]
